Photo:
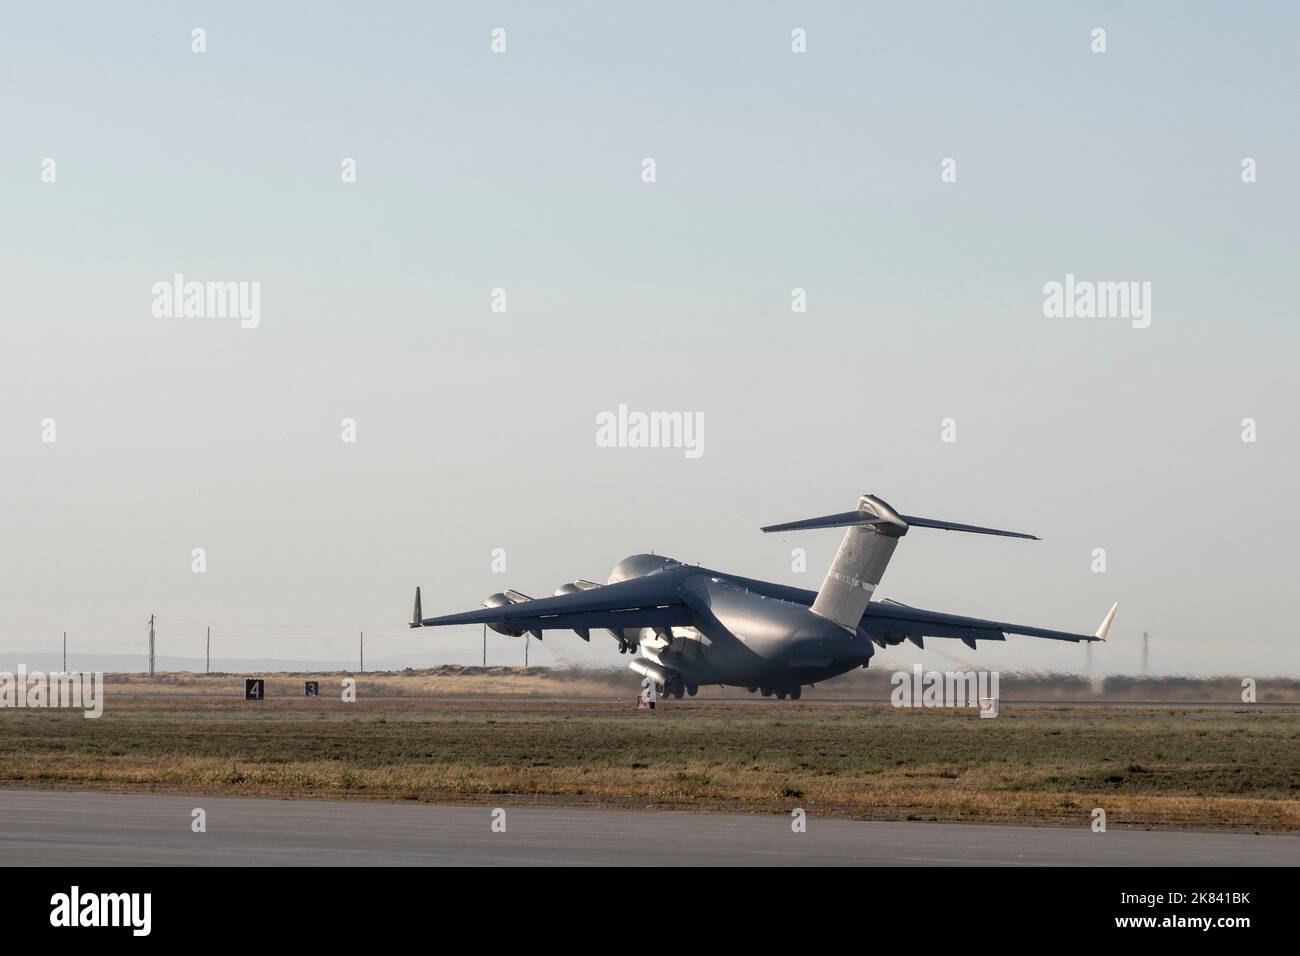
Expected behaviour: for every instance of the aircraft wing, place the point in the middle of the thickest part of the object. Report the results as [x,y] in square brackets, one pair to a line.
[889,619]
[651,601]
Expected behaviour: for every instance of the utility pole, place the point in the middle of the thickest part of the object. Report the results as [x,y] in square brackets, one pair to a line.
[485,645]
[65,652]
[363,652]
[207,668]
[525,651]
[151,645]
[1146,650]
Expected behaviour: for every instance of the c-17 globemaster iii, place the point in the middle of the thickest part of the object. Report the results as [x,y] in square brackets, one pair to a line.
[687,626]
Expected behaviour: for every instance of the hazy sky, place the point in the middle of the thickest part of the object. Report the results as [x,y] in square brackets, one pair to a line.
[522,170]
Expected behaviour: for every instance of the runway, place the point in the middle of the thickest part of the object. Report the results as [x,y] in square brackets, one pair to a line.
[45,828]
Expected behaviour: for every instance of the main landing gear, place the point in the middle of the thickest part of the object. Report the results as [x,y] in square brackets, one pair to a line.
[677,688]
[794,693]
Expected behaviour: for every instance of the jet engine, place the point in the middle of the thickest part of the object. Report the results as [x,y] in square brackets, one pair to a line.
[573,587]
[501,600]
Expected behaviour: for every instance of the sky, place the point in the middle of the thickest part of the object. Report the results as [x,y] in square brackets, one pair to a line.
[523,170]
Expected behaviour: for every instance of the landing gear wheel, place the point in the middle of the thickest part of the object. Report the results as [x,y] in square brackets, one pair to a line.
[780,694]
[692,689]
[796,693]
[767,691]
[679,691]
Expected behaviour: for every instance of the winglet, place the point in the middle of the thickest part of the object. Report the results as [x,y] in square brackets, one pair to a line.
[417,615]
[1105,624]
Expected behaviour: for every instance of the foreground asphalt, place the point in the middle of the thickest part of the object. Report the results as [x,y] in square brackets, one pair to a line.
[47,828]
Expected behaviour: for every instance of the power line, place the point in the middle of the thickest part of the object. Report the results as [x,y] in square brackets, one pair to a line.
[262,637]
[148,643]
[353,627]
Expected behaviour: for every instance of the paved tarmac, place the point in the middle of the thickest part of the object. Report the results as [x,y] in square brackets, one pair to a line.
[40,827]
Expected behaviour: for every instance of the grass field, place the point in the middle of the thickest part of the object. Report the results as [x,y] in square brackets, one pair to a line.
[1167,766]
[608,683]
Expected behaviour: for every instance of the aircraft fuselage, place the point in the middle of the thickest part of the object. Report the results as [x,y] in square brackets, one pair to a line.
[747,633]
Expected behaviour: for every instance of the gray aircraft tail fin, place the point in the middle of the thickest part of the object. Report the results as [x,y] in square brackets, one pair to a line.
[874,530]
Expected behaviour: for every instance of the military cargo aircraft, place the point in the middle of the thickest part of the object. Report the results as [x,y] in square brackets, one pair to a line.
[688,626]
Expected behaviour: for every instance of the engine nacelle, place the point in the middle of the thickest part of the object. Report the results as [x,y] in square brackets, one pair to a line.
[650,669]
[500,600]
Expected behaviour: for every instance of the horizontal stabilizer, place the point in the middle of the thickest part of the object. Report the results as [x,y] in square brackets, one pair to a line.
[915,522]
[845,519]
[872,511]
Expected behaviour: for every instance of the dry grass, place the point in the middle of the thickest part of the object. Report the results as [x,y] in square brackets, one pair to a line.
[611,682]
[445,681]
[1149,767]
